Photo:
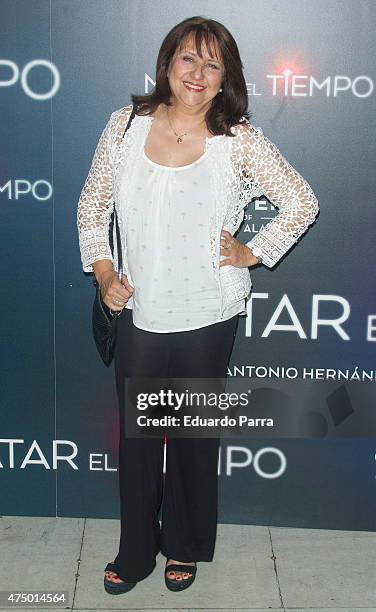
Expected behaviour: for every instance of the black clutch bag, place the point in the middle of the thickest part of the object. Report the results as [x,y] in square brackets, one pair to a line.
[104,320]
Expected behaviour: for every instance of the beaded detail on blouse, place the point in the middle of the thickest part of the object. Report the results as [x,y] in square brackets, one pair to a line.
[168,246]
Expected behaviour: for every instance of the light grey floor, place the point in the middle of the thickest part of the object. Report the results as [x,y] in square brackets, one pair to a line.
[254,568]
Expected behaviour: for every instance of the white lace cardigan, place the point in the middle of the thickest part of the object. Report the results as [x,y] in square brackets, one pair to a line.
[245,166]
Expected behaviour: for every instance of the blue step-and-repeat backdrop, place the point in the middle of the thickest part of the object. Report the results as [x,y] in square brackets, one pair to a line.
[65,65]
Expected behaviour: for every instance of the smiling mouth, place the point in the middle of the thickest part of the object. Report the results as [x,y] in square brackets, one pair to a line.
[193,87]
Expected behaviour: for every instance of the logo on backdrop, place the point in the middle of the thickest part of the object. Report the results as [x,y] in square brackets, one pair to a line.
[303,85]
[286,83]
[11,73]
[338,324]
[14,190]
[285,307]
[293,85]
[15,453]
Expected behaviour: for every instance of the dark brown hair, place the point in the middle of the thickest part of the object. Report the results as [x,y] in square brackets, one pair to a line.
[228,106]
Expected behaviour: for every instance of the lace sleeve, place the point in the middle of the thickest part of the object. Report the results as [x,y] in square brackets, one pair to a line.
[266,171]
[95,204]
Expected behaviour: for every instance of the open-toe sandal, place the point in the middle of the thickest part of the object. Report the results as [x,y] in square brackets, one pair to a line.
[184,583]
[116,588]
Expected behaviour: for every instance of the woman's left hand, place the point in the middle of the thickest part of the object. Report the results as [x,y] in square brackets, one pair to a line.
[237,254]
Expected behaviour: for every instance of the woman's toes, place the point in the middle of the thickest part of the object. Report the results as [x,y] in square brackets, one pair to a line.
[178,575]
[113,577]
[173,575]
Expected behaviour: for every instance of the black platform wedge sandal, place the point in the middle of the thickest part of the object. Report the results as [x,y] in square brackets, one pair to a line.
[116,588]
[184,583]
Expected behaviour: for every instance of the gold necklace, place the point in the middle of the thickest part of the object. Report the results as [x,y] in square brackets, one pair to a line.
[179,137]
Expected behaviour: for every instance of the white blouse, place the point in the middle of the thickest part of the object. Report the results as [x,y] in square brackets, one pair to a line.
[169,255]
[236,170]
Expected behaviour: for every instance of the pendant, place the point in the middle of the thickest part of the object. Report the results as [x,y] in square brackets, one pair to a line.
[179,140]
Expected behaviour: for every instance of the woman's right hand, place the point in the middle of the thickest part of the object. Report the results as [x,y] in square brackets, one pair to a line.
[115,294]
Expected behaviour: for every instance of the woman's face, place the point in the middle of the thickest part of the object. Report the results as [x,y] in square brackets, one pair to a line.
[195,80]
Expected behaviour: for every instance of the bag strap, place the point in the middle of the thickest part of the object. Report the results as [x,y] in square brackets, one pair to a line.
[130,119]
[118,241]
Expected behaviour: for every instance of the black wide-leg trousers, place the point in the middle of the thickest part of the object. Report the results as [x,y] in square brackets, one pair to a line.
[189,492]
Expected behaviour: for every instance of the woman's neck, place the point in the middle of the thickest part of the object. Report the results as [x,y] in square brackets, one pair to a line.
[184,115]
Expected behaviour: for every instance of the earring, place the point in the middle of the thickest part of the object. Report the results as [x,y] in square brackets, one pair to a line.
[221,90]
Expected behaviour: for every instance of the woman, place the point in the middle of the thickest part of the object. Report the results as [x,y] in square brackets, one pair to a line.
[180,177]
